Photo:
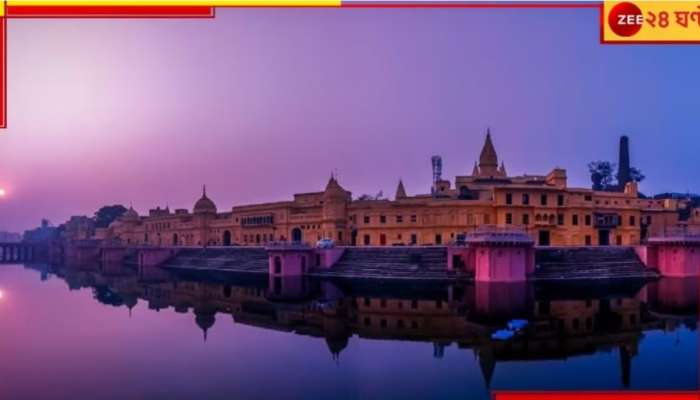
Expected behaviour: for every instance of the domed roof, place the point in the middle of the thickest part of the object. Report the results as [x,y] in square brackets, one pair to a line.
[205,319]
[204,204]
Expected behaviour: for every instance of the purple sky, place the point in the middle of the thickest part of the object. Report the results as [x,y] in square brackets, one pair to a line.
[262,103]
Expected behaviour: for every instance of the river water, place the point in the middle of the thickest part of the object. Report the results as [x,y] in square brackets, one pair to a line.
[112,333]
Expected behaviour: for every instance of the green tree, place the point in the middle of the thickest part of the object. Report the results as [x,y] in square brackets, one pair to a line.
[107,214]
[636,174]
[602,174]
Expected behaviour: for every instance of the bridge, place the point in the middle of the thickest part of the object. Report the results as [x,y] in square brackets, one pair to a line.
[17,252]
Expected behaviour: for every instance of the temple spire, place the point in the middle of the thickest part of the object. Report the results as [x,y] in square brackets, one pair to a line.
[502,170]
[488,159]
[475,171]
[400,191]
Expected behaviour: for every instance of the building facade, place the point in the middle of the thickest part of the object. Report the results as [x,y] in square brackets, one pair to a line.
[544,206]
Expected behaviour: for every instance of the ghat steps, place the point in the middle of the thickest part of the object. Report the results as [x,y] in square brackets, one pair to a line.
[590,263]
[390,263]
[552,264]
[240,259]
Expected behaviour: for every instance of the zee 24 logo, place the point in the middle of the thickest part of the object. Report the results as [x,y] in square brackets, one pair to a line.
[626,19]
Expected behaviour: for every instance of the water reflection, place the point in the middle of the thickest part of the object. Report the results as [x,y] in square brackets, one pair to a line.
[565,321]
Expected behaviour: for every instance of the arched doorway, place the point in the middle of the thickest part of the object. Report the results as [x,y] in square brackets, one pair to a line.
[296,235]
[227,238]
[174,239]
[278,265]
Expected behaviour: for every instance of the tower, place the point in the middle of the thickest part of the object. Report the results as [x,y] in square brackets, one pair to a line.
[436,162]
[624,175]
[488,159]
[334,211]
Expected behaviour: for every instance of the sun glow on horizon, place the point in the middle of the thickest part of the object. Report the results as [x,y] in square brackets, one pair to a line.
[2,192]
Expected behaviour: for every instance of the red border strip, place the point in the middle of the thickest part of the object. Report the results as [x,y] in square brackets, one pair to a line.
[472,5]
[597,395]
[109,12]
[3,72]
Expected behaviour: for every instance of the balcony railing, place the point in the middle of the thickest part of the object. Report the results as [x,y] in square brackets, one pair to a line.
[287,245]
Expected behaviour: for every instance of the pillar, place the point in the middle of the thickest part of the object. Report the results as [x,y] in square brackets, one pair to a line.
[675,256]
[502,255]
[286,260]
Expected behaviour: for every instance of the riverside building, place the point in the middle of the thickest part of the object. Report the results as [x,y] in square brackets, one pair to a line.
[544,206]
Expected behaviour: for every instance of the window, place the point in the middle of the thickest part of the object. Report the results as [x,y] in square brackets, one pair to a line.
[382,239]
[366,219]
[438,239]
[560,200]
[574,219]
[509,198]
[414,238]
[588,220]
[414,218]
[414,304]
[382,219]
[588,197]
[633,220]
[543,199]
[560,219]
[340,236]
[526,199]
[399,219]
[509,218]
[366,240]
[526,219]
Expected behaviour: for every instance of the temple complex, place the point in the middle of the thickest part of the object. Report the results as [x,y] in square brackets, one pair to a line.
[543,206]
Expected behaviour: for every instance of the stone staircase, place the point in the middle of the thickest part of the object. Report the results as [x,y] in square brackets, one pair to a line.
[237,259]
[589,263]
[390,263]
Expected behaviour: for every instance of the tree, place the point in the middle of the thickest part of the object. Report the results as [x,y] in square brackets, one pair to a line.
[369,197]
[107,214]
[636,174]
[602,173]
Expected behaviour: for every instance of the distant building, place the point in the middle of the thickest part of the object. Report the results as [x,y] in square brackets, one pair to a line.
[10,237]
[43,233]
[542,205]
[79,228]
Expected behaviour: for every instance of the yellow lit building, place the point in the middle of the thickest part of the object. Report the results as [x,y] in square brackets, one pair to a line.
[542,205]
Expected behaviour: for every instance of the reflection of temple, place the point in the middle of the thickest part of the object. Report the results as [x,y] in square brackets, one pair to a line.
[564,321]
